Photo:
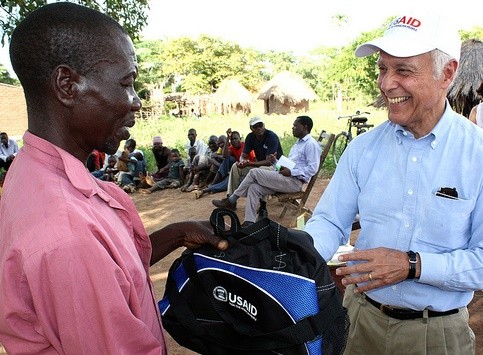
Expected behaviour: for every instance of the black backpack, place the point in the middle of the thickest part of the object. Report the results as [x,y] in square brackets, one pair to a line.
[270,293]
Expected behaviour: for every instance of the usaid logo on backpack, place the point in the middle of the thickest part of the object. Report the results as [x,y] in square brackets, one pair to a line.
[235,301]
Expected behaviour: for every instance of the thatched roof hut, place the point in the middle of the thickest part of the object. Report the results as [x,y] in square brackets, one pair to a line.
[462,92]
[232,97]
[285,93]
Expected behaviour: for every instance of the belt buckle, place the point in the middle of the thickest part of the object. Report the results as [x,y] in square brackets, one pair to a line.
[385,308]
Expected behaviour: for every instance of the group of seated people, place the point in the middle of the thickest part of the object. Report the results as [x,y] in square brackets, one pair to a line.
[127,168]
[248,169]
[200,169]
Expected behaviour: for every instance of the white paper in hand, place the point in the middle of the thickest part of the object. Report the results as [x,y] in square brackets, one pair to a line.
[286,162]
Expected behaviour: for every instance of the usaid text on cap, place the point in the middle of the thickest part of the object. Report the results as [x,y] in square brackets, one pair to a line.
[405,21]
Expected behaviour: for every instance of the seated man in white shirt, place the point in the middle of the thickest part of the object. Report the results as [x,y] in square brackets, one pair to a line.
[305,153]
[8,150]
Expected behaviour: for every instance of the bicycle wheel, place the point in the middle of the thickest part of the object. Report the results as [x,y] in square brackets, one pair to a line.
[339,145]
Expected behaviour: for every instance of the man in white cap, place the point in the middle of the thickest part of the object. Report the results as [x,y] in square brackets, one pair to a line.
[264,143]
[416,182]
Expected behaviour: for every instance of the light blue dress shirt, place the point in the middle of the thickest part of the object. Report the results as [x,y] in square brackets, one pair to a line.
[391,179]
[305,153]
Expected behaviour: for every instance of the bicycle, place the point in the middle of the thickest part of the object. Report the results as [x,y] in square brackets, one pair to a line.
[341,141]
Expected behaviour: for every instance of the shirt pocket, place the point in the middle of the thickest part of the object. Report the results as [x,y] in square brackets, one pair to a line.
[447,222]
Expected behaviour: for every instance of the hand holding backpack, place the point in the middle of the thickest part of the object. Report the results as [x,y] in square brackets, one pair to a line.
[270,292]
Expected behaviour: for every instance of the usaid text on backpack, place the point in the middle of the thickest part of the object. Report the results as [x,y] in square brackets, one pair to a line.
[269,293]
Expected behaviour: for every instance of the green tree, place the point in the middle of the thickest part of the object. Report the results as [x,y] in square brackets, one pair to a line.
[475,32]
[276,62]
[5,77]
[129,13]
[345,75]
[150,67]
[198,66]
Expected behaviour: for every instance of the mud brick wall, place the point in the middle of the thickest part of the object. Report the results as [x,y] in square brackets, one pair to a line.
[13,111]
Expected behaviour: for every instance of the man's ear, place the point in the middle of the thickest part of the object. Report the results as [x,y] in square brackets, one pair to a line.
[66,85]
[449,72]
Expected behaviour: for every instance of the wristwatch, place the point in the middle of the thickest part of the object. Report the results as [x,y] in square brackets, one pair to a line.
[413,260]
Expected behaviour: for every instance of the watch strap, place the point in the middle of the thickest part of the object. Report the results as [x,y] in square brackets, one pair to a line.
[412,265]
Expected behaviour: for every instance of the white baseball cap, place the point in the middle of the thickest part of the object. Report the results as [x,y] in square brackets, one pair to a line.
[411,35]
[255,120]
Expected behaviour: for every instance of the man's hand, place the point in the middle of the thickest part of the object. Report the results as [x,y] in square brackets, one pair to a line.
[190,234]
[242,164]
[272,158]
[376,268]
[285,171]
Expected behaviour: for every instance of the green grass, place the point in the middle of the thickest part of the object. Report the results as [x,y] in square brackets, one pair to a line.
[174,130]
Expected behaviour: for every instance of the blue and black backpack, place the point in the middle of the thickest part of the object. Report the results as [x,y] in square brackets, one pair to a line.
[270,293]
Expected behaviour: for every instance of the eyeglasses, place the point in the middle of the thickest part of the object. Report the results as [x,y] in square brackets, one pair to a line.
[258,125]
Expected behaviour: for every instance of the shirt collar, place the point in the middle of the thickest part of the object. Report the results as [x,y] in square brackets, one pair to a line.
[438,131]
[74,169]
[304,138]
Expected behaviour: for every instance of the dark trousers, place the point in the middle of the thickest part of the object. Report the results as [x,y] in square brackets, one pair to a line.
[5,165]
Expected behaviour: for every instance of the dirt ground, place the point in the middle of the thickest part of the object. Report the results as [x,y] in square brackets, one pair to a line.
[168,206]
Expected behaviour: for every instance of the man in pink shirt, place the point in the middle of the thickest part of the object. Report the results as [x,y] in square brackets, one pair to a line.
[74,255]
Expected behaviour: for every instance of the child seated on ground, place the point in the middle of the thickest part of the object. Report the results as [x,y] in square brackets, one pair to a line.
[175,175]
[200,167]
[127,171]
[109,173]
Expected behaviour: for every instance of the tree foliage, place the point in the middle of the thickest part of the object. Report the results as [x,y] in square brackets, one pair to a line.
[5,77]
[197,66]
[129,13]
[476,32]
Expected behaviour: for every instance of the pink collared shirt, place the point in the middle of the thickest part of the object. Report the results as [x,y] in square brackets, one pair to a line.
[74,261]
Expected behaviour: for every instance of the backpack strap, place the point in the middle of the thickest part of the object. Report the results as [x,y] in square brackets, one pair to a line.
[217,220]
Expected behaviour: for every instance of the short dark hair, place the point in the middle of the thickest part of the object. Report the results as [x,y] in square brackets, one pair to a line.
[174,150]
[306,121]
[56,34]
[131,142]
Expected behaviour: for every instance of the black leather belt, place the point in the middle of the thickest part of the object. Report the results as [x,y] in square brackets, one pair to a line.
[403,313]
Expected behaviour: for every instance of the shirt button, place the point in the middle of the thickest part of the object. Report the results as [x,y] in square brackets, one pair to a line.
[410,192]
[406,224]
[414,159]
